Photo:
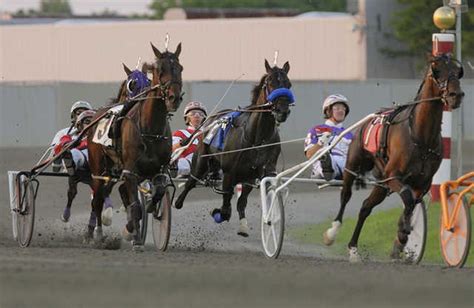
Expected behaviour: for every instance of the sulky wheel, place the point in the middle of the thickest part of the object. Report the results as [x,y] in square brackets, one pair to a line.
[415,246]
[273,224]
[161,222]
[25,211]
[455,242]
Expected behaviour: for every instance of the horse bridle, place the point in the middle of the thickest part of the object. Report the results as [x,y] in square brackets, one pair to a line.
[443,85]
[267,92]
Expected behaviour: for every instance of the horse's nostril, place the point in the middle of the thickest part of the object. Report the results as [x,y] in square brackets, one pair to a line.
[171,98]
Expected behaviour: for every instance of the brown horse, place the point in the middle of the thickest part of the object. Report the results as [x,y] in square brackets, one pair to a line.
[257,126]
[133,84]
[413,152]
[144,144]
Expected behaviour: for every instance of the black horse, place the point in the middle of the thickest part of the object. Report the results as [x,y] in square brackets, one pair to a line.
[144,144]
[256,126]
[411,156]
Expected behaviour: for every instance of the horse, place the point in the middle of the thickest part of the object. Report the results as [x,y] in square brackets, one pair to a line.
[144,145]
[256,126]
[135,83]
[131,86]
[411,156]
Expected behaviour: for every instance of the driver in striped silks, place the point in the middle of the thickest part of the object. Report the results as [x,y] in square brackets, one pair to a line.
[194,114]
[331,165]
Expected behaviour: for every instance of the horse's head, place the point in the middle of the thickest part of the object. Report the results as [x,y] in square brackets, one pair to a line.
[446,73]
[276,86]
[137,80]
[167,75]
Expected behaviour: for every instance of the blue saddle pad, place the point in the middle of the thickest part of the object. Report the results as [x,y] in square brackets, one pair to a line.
[217,140]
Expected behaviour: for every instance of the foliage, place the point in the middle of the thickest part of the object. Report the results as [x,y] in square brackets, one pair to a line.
[160,6]
[414,26]
[377,236]
[48,8]
[55,7]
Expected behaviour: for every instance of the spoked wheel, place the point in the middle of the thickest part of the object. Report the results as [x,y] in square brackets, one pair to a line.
[415,246]
[25,212]
[456,242]
[161,222]
[273,225]
[144,199]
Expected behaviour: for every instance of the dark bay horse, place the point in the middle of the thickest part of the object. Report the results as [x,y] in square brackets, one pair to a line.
[144,143]
[130,87]
[255,127]
[413,152]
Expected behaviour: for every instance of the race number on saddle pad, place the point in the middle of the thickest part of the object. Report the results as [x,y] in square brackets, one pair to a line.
[101,135]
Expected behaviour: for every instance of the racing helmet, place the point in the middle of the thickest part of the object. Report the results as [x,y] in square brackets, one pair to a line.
[334,99]
[193,105]
[80,105]
[86,114]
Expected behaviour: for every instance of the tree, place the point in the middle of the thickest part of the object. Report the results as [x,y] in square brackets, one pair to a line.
[55,7]
[414,26]
[160,6]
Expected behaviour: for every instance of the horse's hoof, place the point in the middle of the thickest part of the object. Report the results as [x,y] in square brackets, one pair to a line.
[107,216]
[330,235]
[88,235]
[66,214]
[396,254]
[216,214]
[243,228]
[326,240]
[126,235]
[137,247]
[354,256]
[99,235]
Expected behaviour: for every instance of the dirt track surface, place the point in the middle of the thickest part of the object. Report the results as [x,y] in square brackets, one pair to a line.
[206,265]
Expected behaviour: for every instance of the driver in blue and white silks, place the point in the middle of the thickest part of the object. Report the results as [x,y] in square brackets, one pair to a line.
[331,165]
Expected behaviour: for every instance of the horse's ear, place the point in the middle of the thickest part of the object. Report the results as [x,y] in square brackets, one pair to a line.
[429,57]
[145,68]
[155,51]
[267,67]
[126,69]
[178,50]
[286,67]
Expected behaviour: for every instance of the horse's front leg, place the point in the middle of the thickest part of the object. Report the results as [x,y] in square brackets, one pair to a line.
[224,213]
[71,194]
[241,205]
[131,232]
[95,220]
[199,168]
[404,229]
[378,194]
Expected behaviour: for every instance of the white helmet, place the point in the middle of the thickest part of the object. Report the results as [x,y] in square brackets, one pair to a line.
[333,99]
[84,115]
[194,105]
[78,105]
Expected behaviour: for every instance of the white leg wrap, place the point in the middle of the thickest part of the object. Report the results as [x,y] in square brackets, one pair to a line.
[98,233]
[330,235]
[243,227]
[354,256]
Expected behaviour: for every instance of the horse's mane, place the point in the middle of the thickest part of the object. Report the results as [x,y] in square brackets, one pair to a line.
[256,90]
[115,100]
